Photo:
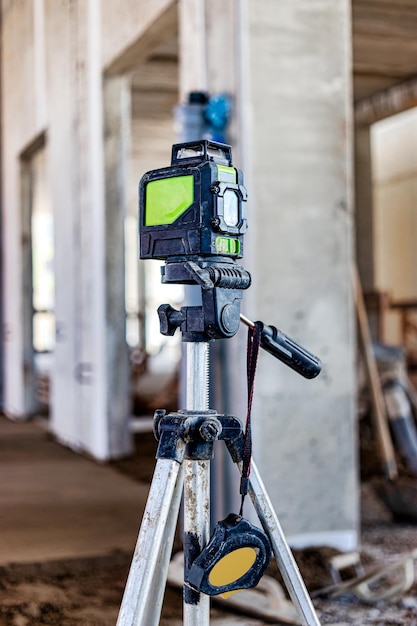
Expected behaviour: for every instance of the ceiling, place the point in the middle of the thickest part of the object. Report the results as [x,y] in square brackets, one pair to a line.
[384,44]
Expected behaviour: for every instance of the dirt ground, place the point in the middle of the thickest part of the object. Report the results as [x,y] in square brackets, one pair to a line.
[88,591]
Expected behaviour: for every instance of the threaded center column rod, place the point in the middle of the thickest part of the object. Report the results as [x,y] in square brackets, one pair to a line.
[196,485]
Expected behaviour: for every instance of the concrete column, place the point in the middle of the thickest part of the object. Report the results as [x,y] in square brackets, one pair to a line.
[301,200]
[63,149]
[23,120]
[117,94]
[192,47]
[27,186]
[90,404]
[364,213]
[209,54]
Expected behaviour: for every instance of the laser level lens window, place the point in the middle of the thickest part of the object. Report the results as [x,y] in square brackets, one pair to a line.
[231,208]
[217,153]
[189,152]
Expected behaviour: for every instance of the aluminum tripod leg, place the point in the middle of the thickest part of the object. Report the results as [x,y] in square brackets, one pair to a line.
[285,560]
[144,591]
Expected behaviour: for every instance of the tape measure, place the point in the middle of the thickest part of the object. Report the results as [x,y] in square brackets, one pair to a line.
[235,558]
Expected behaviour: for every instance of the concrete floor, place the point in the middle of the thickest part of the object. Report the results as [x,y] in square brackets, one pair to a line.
[56,504]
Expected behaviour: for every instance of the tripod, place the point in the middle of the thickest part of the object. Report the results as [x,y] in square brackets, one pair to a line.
[186,441]
[193,215]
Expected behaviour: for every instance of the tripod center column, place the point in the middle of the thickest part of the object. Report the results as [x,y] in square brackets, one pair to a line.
[196,485]
[197,390]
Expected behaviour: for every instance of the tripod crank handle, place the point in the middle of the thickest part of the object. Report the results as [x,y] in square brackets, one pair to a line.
[282,347]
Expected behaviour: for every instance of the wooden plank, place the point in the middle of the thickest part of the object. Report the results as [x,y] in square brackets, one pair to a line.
[160,75]
[143,48]
[379,414]
[384,44]
[385,103]
[366,85]
[152,105]
[387,21]
[389,57]
[399,4]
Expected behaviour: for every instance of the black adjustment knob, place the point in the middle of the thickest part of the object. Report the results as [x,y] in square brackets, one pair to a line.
[169,319]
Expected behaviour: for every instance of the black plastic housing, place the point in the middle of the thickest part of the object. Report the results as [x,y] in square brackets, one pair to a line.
[201,230]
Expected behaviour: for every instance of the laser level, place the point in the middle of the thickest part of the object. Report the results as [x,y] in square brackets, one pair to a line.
[196,207]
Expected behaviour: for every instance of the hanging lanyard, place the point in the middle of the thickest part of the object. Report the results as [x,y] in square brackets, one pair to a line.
[253,345]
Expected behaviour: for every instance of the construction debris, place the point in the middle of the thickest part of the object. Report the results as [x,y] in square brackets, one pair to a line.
[381,582]
[267,601]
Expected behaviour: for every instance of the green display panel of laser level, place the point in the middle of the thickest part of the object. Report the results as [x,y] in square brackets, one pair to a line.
[167,199]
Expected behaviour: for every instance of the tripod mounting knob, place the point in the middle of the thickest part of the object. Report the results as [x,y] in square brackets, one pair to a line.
[169,319]
[210,429]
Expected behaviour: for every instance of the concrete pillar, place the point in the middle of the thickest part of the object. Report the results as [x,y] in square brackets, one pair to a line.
[117,94]
[209,62]
[27,189]
[192,47]
[299,91]
[90,402]
[63,150]
[23,125]
[364,213]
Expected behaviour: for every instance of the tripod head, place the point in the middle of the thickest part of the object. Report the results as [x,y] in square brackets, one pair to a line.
[192,215]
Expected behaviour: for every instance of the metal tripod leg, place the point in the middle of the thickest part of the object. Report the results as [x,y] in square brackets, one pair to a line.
[144,591]
[285,560]
[143,596]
